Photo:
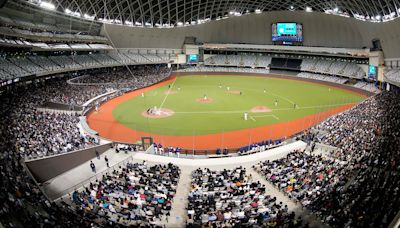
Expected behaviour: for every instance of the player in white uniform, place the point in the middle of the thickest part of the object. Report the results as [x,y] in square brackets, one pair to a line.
[245,116]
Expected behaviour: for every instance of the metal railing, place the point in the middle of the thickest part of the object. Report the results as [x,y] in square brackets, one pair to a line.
[81,185]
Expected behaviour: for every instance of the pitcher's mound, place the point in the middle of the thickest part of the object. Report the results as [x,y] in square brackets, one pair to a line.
[204,101]
[157,114]
[171,92]
[259,109]
[233,91]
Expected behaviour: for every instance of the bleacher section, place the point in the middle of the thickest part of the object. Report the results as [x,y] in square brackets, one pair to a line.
[393,75]
[319,66]
[322,77]
[340,68]
[45,32]
[367,86]
[335,79]
[239,61]
[225,69]
[13,67]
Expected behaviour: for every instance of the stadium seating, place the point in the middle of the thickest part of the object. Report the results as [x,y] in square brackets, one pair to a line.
[393,75]
[322,77]
[66,62]
[302,175]
[239,60]
[14,67]
[12,70]
[224,69]
[39,31]
[135,195]
[231,197]
[45,63]
[367,86]
[331,67]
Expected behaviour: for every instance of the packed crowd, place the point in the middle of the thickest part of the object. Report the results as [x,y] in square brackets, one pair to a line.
[84,88]
[304,176]
[136,195]
[230,198]
[38,133]
[27,131]
[133,76]
[64,93]
[23,205]
[350,186]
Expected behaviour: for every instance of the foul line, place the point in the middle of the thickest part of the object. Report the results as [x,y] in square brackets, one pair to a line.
[271,115]
[154,94]
[278,109]
[169,90]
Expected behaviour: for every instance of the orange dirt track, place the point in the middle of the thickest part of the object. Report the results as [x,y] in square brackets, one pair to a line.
[108,127]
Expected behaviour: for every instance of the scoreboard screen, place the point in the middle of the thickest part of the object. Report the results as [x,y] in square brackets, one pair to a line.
[287,33]
[192,58]
[372,72]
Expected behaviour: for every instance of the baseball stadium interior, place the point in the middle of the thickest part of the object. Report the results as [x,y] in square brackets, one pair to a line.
[200,113]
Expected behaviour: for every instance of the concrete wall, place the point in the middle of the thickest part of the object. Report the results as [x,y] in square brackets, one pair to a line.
[319,30]
[44,169]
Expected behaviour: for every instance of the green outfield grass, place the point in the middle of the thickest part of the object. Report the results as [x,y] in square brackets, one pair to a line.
[225,113]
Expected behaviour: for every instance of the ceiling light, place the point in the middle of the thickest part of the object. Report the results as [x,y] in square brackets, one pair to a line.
[47,5]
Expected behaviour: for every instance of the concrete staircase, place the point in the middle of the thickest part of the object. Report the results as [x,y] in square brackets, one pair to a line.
[178,212]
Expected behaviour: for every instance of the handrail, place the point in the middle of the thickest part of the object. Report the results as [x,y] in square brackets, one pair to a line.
[85,182]
[396,221]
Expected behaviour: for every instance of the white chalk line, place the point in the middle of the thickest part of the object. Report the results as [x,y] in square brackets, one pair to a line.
[169,90]
[271,115]
[152,95]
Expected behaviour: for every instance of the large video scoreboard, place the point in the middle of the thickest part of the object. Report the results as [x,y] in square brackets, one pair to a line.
[287,33]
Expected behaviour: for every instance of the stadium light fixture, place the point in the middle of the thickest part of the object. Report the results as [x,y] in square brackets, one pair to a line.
[378,17]
[76,14]
[291,8]
[336,10]
[179,23]
[47,5]
[308,9]
[87,16]
[257,11]
[67,11]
